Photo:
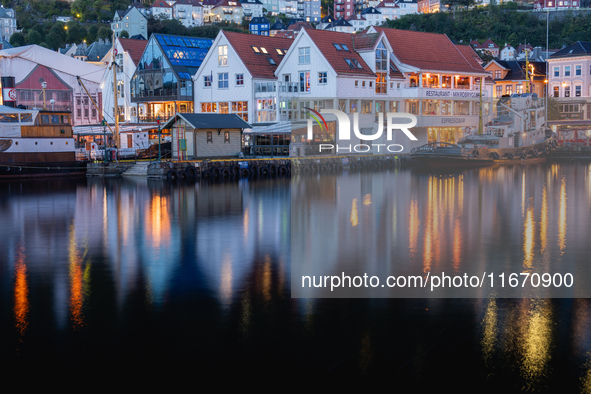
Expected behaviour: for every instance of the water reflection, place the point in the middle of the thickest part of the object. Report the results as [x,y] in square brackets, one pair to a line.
[161,271]
[21,293]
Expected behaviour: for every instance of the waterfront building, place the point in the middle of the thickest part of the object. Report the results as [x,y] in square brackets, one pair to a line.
[386,70]
[161,8]
[7,23]
[556,5]
[199,136]
[277,27]
[389,10]
[227,11]
[510,77]
[259,26]
[569,73]
[348,8]
[408,6]
[429,6]
[162,83]
[252,8]
[487,46]
[238,77]
[341,25]
[32,66]
[133,21]
[128,56]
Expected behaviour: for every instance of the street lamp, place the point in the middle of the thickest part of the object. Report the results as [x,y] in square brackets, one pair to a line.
[159,140]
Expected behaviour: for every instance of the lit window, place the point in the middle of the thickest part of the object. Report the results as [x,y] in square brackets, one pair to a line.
[280,51]
[264,50]
[223,81]
[223,55]
[256,49]
[207,81]
[305,81]
[322,78]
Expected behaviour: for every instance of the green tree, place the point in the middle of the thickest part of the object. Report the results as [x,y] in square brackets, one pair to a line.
[105,33]
[92,34]
[33,37]
[124,34]
[17,40]
[486,56]
[54,41]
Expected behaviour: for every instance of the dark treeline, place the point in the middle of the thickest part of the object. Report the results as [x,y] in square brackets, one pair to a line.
[504,24]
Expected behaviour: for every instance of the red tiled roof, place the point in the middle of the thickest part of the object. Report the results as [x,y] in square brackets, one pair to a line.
[382,4]
[365,40]
[489,41]
[257,64]
[161,4]
[226,3]
[428,51]
[324,40]
[285,34]
[135,48]
[395,72]
[299,26]
[470,55]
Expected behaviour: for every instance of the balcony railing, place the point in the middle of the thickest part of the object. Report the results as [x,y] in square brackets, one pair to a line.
[288,87]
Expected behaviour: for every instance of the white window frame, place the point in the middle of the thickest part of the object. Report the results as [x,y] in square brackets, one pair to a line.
[321,76]
[221,81]
[223,55]
[304,55]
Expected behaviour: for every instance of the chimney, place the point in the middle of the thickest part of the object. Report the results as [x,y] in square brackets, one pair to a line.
[8,91]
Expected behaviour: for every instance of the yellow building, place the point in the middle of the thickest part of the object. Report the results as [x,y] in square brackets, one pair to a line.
[510,77]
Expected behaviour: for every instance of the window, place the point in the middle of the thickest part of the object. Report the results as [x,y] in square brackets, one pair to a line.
[356,83]
[304,55]
[240,108]
[497,74]
[256,49]
[322,78]
[578,70]
[344,47]
[499,91]
[577,91]
[207,81]
[338,47]
[509,89]
[223,81]
[362,84]
[556,91]
[305,81]
[271,61]
[239,79]
[567,71]
[265,110]
[226,137]
[263,50]
[280,51]
[209,137]
[556,71]
[224,108]
[209,107]
[223,55]
[567,91]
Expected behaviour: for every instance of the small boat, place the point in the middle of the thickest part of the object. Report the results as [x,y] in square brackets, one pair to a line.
[517,134]
[37,143]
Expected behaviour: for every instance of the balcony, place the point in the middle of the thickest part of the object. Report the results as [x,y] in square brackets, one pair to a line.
[288,87]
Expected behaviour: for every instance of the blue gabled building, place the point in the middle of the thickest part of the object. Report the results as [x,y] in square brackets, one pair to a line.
[259,26]
[162,84]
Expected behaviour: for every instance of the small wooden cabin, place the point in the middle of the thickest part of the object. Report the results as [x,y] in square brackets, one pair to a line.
[204,135]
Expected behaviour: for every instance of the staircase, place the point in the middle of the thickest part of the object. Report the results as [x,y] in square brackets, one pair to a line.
[138,169]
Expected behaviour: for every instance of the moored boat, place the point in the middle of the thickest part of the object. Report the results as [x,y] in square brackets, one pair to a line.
[37,143]
[517,134]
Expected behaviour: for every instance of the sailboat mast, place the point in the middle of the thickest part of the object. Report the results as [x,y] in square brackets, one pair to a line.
[115,96]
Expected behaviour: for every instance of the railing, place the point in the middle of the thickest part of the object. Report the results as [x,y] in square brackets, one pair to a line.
[288,87]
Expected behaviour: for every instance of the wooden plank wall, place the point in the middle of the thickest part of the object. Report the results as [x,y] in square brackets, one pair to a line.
[47,131]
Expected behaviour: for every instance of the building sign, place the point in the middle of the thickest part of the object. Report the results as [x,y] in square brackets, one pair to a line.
[453,120]
[453,94]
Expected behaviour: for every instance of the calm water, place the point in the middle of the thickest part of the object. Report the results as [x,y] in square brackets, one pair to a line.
[137,272]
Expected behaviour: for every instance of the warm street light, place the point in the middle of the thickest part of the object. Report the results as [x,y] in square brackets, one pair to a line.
[159,140]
